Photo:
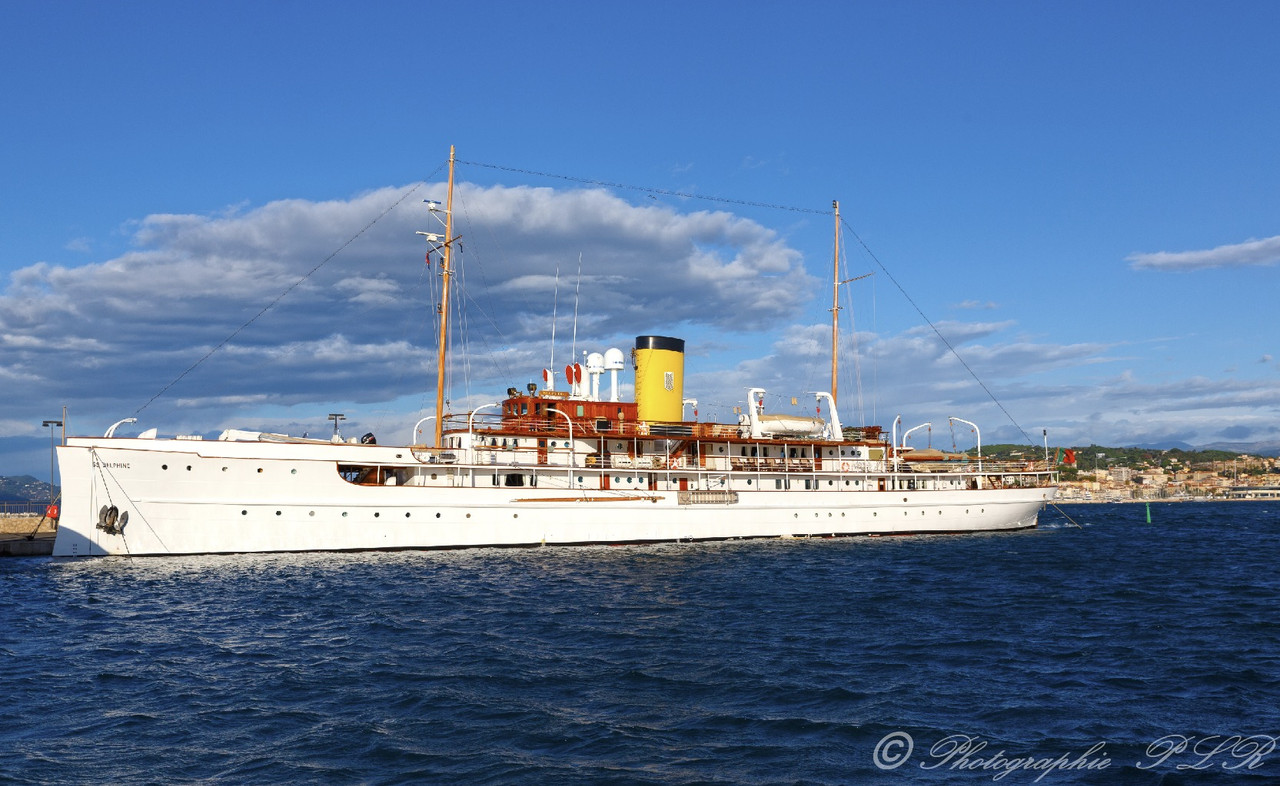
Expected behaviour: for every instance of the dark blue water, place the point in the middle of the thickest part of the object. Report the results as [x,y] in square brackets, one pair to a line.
[1133,652]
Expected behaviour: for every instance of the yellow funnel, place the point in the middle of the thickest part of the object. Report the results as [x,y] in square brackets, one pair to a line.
[659,362]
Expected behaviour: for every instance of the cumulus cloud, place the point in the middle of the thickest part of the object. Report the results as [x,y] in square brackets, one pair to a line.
[284,319]
[1248,253]
[976,304]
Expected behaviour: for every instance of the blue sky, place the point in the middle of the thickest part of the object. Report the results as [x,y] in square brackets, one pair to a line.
[1080,196]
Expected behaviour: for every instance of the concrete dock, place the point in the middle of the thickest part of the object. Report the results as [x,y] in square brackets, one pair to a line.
[26,536]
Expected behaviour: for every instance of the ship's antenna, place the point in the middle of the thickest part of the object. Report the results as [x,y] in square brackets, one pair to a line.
[555,304]
[573,347]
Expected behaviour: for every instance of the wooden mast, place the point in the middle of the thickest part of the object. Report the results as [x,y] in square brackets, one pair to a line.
[446,272]
[835,307]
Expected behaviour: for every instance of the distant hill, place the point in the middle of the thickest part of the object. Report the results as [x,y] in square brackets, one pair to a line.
[23,488]
[1250,448]
[1133,456]
[1171,445]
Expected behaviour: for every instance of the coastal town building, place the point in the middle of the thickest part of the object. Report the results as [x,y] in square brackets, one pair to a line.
[1171,478]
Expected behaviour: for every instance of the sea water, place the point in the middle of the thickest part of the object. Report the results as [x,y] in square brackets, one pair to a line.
[1118,651]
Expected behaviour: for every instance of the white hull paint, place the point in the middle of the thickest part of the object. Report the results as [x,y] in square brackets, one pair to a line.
[197,497]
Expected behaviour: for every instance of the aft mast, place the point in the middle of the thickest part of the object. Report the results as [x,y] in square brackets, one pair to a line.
[835,308]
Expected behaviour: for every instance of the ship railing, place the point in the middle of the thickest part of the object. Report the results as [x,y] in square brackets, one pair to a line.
[427,454]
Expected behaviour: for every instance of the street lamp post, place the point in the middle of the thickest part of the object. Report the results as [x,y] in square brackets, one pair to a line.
[49,424]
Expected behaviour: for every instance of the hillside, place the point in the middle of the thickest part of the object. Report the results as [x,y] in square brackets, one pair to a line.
[1133,457]
[23,488]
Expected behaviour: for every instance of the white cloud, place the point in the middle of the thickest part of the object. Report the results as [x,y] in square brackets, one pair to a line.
[105,337]
[976,304]
[1251,252]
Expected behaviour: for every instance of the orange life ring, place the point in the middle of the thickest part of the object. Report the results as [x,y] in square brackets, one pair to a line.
[844,466]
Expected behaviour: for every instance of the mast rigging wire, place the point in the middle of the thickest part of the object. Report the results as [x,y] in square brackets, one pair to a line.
[409,192]
[938,333]
[647,190]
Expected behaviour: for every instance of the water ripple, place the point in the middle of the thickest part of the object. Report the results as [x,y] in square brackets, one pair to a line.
[758,662]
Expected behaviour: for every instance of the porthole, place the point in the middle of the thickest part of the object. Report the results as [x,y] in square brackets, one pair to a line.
[433,476]
[406,514]
[291,472]
[468,515]
[259,470]
[376,514]
[748,481]
[344,514]
[164,466]
[513,515]
[437,514]
[244,513]
[277,513]
[224,469]
[188,468]
[311,513]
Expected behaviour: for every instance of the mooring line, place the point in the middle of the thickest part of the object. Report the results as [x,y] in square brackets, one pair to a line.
[1065,516]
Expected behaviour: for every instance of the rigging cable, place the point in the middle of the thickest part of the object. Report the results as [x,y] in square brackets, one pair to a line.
[646,189]
[281,296]
[938,333]
[476,259]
